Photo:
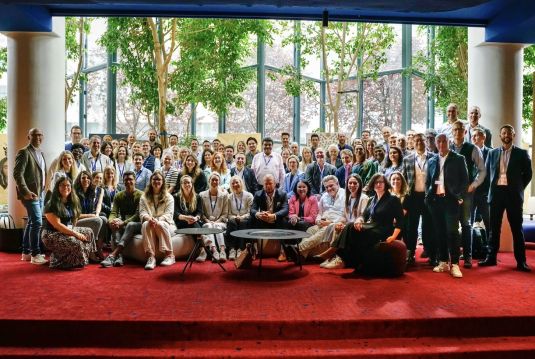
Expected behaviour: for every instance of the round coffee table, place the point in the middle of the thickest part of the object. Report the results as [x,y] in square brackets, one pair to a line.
[197,233]
[279,234]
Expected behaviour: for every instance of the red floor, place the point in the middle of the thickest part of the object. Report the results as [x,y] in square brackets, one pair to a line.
[312,304]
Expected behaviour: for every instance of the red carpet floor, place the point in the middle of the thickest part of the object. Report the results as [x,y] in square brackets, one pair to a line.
[280,312]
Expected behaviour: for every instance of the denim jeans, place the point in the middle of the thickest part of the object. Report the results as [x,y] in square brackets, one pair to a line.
[32,232]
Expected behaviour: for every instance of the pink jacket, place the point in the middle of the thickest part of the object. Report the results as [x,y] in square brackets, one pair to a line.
[311,208]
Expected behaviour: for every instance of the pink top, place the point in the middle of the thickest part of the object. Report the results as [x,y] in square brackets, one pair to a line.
[311,208]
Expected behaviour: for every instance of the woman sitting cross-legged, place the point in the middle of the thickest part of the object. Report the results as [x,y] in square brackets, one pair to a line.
[215,211]
[355,204]
[156,208]
[381,222]
[71,247]
[239,208]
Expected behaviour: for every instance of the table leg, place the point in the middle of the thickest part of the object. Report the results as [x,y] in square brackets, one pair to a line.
[260,254]
[189,262]
[215,241]
[299,257]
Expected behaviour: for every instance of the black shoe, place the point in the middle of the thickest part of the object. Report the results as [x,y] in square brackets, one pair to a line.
[523,267]
[433,262]
[411,259]
[424,254]
[468,262]
[487,262]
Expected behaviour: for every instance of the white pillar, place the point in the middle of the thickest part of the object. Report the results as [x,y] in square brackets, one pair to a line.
[495,82]
[35,95]
[495,85]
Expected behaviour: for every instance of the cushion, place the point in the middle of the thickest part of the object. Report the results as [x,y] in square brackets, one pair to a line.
[182,246]
[387,259]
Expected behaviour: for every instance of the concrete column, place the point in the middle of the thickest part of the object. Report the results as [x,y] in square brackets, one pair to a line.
[495,85]
[36,96]
[495,82]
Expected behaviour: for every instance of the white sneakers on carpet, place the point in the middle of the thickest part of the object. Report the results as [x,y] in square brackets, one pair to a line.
[454,270]
[334,263]
[38,259]
[168,261]
[151,263]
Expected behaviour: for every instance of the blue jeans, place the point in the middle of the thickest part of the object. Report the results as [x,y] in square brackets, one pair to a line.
[32,232]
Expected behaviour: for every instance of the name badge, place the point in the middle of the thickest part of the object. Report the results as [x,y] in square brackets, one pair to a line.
[439,183]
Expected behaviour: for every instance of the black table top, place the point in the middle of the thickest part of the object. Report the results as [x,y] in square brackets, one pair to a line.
[199,231]
[270,233]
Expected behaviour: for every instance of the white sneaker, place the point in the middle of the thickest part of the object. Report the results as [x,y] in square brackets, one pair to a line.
[232,254]
[335,263]
[38,259]
[325,262]
[151,263]
[168,261]
[215,256]
[26,257]
[222,256]
[456,271]
[202,256]
[442,267]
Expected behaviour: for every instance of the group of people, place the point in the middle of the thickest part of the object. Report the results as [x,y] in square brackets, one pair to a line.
[348,197]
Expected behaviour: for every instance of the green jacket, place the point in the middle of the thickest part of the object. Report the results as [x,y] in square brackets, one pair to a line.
[126,207]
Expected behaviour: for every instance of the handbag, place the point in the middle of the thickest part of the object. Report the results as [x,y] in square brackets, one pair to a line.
[10,236]
[245,259]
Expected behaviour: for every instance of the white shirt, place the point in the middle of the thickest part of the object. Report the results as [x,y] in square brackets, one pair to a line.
[505,156]
[441,189]
[272,164]
[420,171]
[332,209]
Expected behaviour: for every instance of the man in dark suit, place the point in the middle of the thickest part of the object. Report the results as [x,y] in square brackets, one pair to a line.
[509,168]
[343,172]
[317,170]
[30,178]
[415,167]
[246,174]
[446,184]
[270,206]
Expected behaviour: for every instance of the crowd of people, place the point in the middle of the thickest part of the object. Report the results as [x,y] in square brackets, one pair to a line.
[348,196]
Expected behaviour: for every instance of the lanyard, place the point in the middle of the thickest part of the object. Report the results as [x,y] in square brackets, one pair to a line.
[121,170]
[421,166]
[138,174]
[94,163]
[505,159]
[266,163]
[213,204]
[236,201]
[155,206]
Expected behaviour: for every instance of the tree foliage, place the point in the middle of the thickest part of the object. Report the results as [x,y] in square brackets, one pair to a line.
[170,63]
[3,100]
[348,51]
[529,74]
[447,67]
[75,30]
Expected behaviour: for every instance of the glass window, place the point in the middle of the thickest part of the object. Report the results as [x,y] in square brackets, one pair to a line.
[382,104]
[73,114]
[129,116]
[310,114]
[419,44]
[419,104]
[279,109]
[96,54]
[243,119]
[347,111]
[207,123]
[96,102]
[394,53]
[276,54]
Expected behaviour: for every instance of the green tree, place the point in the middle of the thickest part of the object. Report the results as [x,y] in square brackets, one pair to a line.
[348,52]
[170,63]
[447,67]
[75,30]
[529,75]
[3,100]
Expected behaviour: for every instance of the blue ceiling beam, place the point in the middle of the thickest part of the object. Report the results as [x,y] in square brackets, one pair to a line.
[516,24]
[25,18]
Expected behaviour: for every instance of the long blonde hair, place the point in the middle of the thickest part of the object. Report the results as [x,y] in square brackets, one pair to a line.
[190,203]
[73,173]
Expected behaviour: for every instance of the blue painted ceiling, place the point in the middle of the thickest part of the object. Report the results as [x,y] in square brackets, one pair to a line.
[505,20]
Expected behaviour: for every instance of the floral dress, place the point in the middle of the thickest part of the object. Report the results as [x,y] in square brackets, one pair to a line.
[67,251]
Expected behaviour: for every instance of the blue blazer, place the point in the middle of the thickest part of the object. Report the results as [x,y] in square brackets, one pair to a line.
[518,172]
[455,176]
[289,186]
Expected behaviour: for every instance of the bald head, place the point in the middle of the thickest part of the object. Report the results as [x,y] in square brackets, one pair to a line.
[35,136]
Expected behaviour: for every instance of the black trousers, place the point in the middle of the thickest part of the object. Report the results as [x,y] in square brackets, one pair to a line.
[232,242]
[445,212]
[501,201]
[417,209]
